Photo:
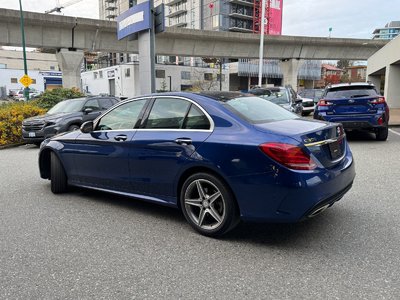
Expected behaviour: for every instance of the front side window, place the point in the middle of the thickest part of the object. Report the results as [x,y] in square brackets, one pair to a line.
[168,113]
[106,103]
[93,104]
[124,116]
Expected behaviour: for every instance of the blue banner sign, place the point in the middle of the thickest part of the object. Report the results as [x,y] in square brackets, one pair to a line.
[135,19]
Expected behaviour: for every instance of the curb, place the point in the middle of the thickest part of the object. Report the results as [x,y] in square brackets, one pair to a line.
[11,146]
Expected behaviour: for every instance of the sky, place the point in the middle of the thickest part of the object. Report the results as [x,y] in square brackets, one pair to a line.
[348,18]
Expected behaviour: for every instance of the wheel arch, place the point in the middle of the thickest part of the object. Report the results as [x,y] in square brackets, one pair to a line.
[202,169]
[44,163]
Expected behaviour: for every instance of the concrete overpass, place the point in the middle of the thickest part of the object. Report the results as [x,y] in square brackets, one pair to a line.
[71,36]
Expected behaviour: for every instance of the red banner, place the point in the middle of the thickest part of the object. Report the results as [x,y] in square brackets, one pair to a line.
[275,20]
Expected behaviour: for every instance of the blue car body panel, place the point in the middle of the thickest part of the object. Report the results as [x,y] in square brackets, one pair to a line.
[149,164]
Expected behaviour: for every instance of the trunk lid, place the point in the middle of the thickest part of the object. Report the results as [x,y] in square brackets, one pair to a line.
[325,141]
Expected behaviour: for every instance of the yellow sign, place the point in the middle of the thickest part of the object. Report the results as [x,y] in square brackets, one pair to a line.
[26,80]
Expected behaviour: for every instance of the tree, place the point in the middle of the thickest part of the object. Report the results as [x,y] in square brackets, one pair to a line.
[332,79]
[343,63]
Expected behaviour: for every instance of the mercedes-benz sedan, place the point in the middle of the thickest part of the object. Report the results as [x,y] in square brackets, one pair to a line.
[219,157]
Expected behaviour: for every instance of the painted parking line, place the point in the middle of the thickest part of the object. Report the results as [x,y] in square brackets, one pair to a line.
[395,132]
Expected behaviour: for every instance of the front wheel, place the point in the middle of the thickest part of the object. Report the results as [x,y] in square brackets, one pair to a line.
[208,205]
[382,134]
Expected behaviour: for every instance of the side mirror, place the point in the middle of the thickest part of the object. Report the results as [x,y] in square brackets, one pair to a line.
[87,127]
[298,100]
[88,110]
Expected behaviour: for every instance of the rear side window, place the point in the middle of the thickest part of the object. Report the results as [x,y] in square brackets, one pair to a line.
[196,119]
[167,113]
[256,110]
[351,92]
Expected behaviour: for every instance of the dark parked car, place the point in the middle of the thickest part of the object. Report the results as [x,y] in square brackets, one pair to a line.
[66,115]
[219,157]
[358,106]
[283,96]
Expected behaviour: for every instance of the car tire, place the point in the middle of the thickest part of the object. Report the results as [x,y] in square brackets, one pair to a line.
[208,205]
[305,113]
[58,177]
[73,127]
[382,133]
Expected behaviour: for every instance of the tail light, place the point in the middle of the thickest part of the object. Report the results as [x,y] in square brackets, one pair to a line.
[288,155]
[324,102]
[378,100]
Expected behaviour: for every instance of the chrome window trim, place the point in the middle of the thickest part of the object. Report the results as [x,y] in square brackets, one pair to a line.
[212,124]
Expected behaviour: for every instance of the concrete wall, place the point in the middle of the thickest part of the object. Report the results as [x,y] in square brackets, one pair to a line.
[35,60]
[384,70]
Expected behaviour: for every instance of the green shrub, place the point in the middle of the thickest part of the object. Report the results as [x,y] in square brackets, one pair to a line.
[50,98]
[11,117]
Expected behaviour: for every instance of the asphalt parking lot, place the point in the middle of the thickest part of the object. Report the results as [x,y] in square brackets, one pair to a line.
[91,245]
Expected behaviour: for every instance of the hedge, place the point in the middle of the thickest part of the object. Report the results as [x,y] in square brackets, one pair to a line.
[11,117]
[51,97]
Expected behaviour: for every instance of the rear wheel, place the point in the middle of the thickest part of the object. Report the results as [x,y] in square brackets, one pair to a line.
[58,177]
[382,133]
[208,205]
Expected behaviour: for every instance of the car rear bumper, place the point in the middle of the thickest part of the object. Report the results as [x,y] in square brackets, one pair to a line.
[295,195]
[354,121]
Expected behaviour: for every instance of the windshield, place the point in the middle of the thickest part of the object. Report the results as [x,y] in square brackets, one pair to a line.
[277,97]
[67,106]
[256,110]
[351,92]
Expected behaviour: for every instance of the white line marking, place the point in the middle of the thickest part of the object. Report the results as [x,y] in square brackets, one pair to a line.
[395,132]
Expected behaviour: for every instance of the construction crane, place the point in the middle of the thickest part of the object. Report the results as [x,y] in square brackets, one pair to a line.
[60,6]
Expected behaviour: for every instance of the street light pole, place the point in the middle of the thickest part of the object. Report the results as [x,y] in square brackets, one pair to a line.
[260,63]
[26,90]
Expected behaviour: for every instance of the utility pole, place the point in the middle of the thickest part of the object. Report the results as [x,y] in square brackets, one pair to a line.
[26,89]
[261,52]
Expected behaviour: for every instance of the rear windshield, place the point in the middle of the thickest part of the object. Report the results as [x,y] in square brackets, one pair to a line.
[256,110]
[351,92]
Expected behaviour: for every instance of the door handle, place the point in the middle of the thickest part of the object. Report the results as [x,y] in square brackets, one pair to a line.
[120,138]
[183,141]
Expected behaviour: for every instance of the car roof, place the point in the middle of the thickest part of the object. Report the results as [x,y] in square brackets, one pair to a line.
[338,85]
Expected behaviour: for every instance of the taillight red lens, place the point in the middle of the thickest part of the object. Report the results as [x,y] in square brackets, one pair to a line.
[288,155]
[323,102]
[378,100]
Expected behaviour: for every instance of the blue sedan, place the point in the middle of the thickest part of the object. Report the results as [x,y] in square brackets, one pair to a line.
[220,157]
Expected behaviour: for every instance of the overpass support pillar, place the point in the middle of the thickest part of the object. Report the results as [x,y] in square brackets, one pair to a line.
[70,63]
[392,86]
[290,69]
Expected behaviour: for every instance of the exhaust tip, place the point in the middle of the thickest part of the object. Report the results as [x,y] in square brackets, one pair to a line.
[318,211]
